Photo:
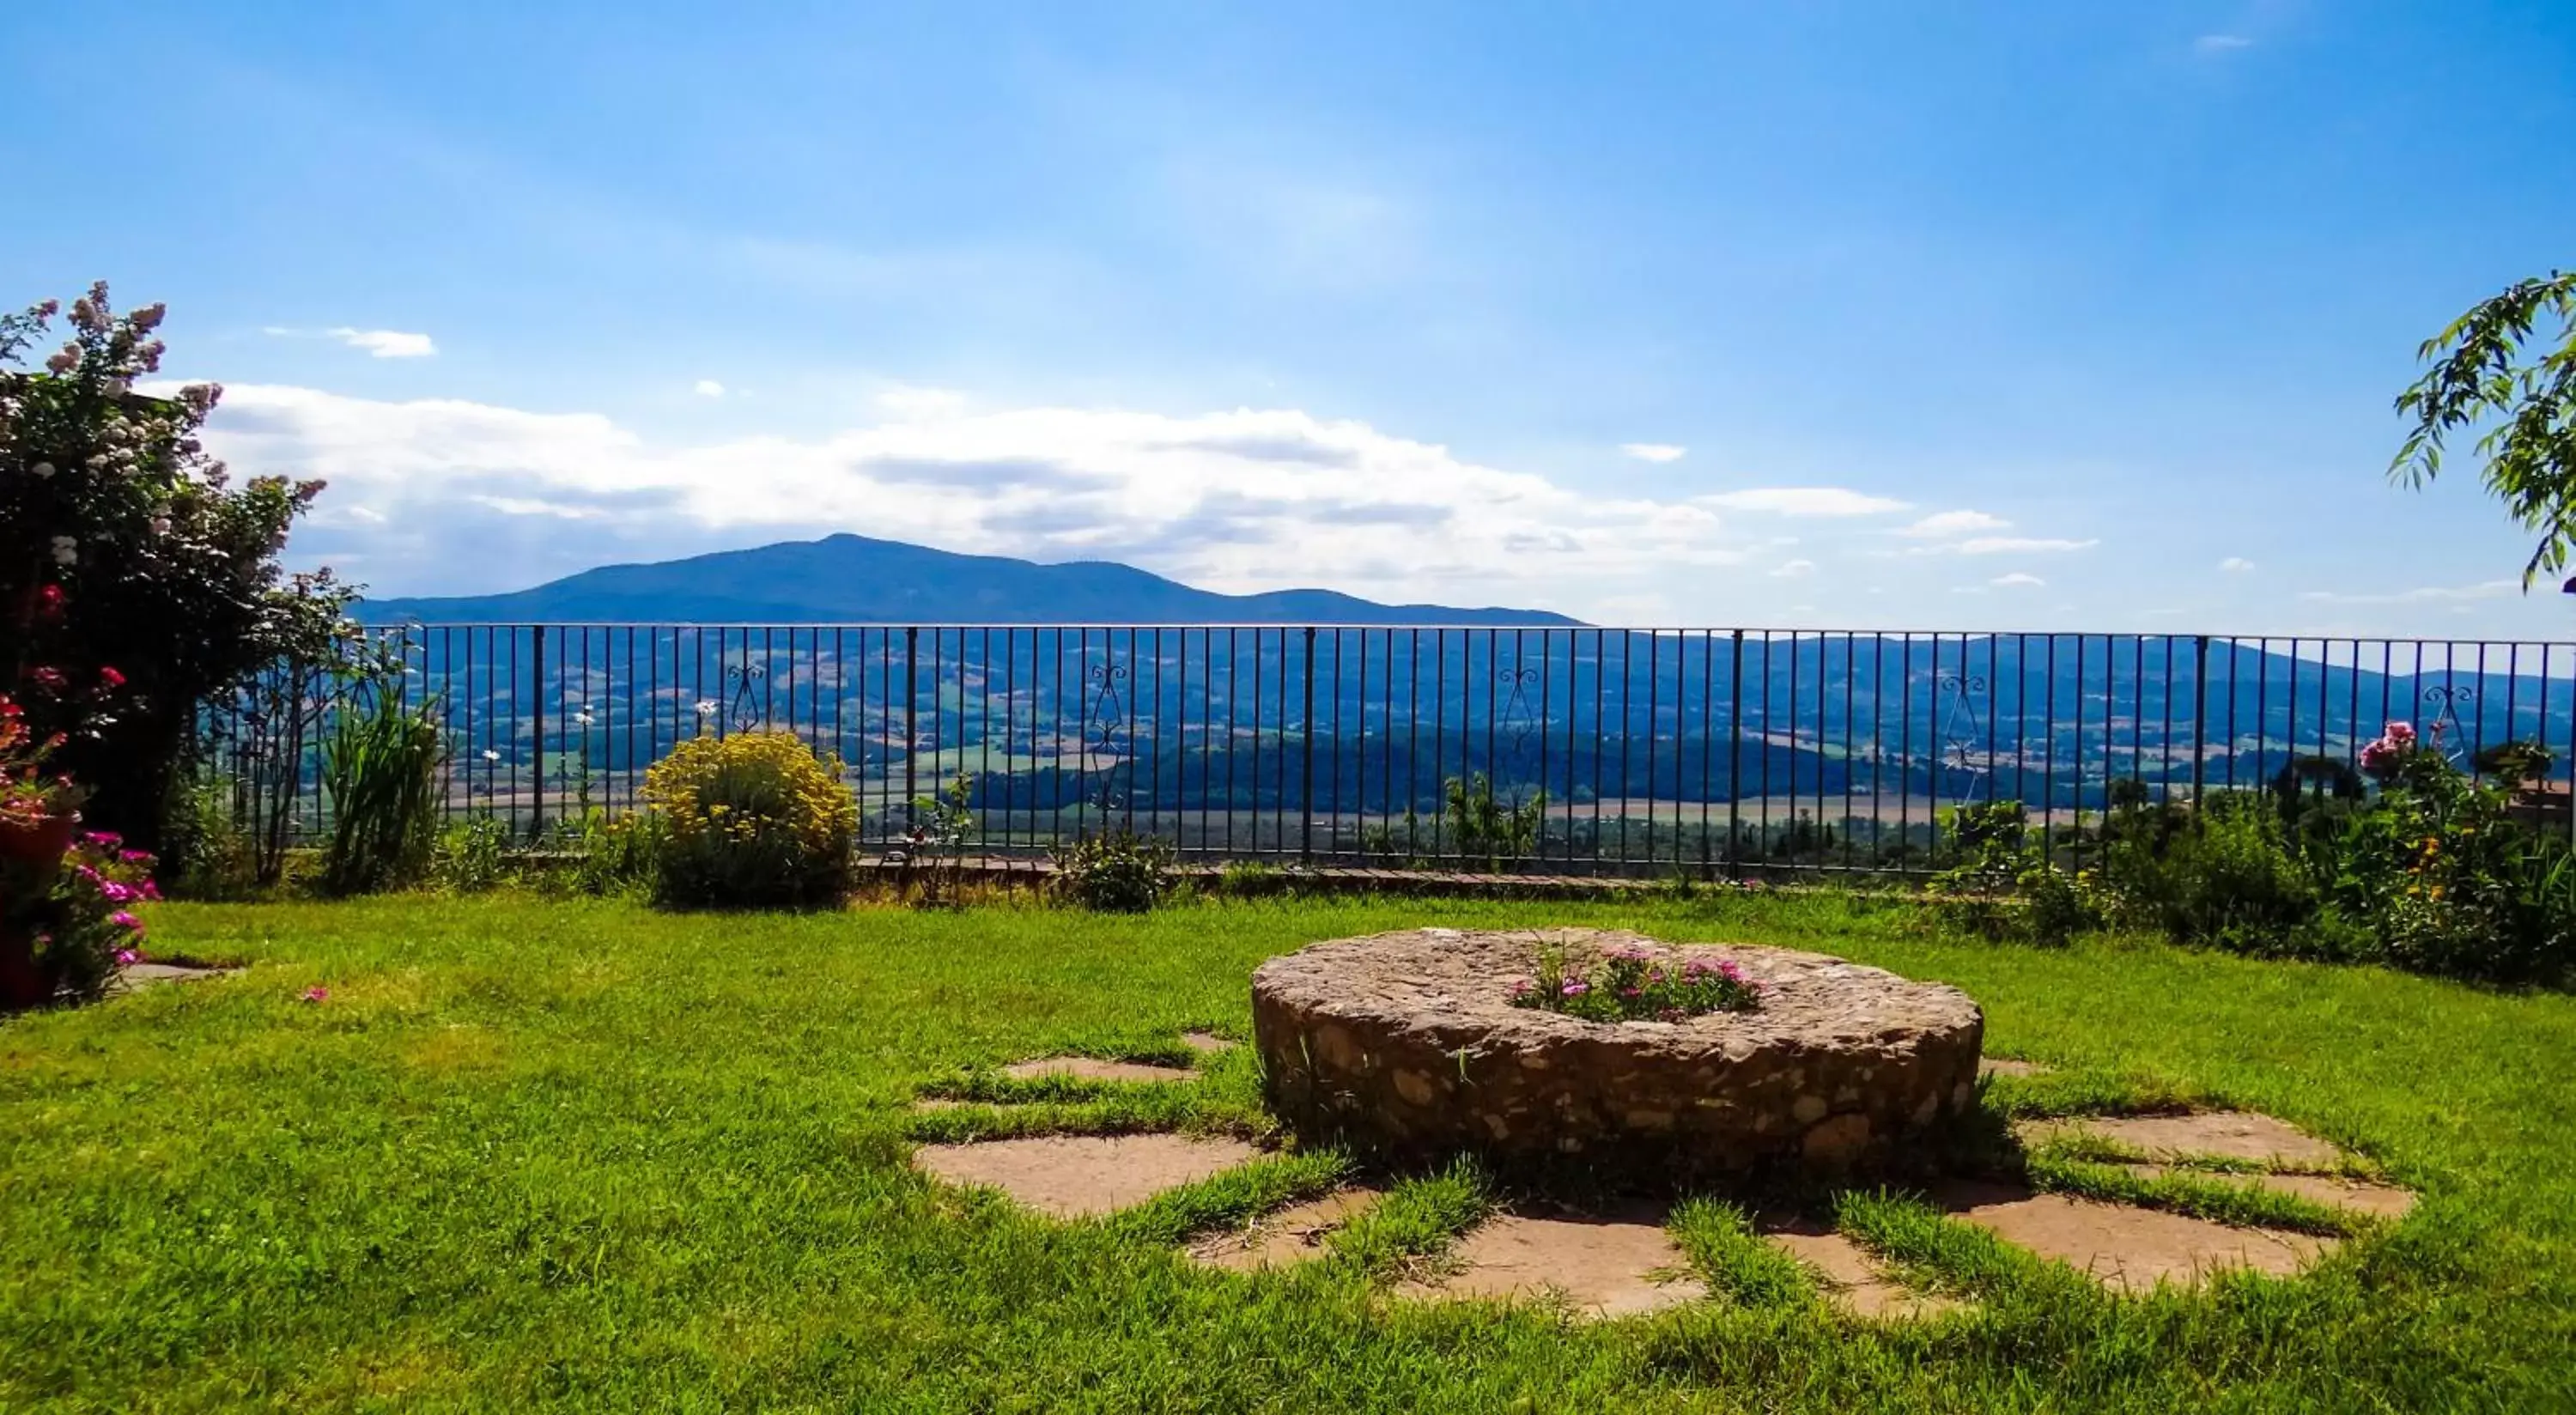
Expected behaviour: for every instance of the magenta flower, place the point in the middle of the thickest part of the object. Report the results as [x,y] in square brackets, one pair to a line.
[1576,989]
[128,957]
[124,920]
[2402,734]
[317,994]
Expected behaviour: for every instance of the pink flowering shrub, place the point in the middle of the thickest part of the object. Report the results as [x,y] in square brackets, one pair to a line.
[2385,756]
[82,921]
[1631,983]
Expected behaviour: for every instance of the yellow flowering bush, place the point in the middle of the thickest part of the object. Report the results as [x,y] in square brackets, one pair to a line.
[756,819]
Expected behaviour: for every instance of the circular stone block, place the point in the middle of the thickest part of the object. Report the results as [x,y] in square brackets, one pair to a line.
[1407,1045]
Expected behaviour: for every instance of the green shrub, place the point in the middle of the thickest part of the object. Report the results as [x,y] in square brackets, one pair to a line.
[471,856]
[935,848]
[753,820]
[1976,895]
[2233,875]
[617,854]
[1483,827]
[208,855]
[1116,872]
[1252,879]
[2058,904]
[2438,878]
[380,775]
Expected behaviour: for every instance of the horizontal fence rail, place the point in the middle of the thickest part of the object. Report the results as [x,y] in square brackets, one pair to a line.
[1572,750]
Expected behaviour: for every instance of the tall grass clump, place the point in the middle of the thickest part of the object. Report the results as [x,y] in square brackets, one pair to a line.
[380,775]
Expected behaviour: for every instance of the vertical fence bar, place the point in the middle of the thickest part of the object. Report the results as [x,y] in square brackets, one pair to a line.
[1306,753]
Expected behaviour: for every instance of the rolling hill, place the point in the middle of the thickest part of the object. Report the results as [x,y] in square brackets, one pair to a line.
[850,579]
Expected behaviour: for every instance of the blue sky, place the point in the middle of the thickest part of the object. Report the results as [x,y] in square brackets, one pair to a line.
[1973,315]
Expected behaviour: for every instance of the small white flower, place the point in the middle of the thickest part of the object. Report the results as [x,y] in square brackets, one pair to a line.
[66,551]
[583,717]
[491,756]
[707,707]
[42,469]
[160,525]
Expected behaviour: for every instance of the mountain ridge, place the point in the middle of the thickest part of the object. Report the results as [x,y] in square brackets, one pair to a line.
[852,579]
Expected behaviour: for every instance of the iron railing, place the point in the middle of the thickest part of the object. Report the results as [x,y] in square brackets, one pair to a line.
[1622,750]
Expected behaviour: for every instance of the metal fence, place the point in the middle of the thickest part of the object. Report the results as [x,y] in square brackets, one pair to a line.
[1611,750]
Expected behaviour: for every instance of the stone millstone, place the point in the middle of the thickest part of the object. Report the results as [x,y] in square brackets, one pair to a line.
[1407,1045]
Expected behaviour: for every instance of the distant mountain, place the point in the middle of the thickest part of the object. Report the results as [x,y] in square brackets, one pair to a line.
[849,579]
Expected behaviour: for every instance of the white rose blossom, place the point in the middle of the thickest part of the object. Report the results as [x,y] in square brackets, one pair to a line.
[66,551]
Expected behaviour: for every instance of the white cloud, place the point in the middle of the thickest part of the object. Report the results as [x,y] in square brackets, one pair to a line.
[1941,525]
[921,403]
[526,506]
[2015,580]
[2236,565]
[2221,43]
[1653,451]
[2428,594]
[1237,501]
[707,388]
[2011,545]
[1803,501]
[1795,569]
[387,343]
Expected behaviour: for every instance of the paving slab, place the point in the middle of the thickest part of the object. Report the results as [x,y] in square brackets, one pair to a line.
[1080,1176]
[1618,1264]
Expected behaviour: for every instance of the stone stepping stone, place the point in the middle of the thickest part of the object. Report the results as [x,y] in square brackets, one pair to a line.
[1851,1276]
[1091,1068]
[1207,1043]
[2358,1196]
[1615,1265]
[2221,1134]
[1293,1235]
[144,975]
[2006,1066]
[2131,1249]
[1082,1176]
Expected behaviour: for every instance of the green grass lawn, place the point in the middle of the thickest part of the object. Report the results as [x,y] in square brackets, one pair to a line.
[537,1154]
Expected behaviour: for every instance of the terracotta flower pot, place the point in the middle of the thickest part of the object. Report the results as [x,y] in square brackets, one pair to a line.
[43,841]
